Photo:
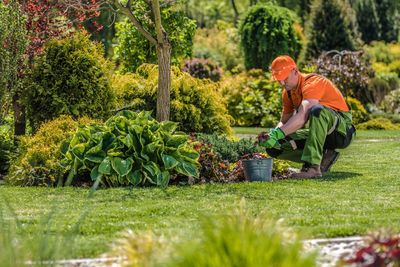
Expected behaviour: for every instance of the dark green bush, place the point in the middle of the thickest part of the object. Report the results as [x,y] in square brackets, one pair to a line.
[71,78]
[378,124]
[368,19]
[7,147]
[389,18]
[332,26]
[266,32]
[230,150]
[195,104]
[252,98]
[38,160]
[203,69]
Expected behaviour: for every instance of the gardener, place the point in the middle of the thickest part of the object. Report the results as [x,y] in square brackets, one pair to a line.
[314,100]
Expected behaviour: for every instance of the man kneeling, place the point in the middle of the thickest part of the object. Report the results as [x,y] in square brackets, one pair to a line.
[314,99]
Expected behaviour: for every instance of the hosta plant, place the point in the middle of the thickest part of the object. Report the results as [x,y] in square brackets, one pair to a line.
[130,149]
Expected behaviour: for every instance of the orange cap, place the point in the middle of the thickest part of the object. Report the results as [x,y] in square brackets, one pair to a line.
[281,67]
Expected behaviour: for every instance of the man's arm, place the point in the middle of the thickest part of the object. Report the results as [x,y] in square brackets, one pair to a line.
[298,120]
[284,119]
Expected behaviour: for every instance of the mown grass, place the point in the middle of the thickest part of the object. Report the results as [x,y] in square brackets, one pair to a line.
[359,195]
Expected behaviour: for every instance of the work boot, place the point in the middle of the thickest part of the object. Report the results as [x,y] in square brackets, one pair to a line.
[328,159]
[312,171]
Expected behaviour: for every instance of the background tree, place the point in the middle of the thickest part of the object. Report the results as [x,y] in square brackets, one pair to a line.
[332,26]
[367,18]
[389,19]
[13,43]
[266,32]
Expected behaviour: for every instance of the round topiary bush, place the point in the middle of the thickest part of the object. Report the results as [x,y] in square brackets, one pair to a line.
[266,32]
[71,78]
[195,103]
[203,69]
[38,162]
[378,124]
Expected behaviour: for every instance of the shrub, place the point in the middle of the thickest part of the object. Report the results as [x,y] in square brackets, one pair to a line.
[240,239]
[382,84]
[134,49]
[350,71]
[196,104]
[378,124]
[71,78]
[389,18]
[357,109]
[266,32]
[332,26]
[368,20]
[39,155]
[220,44]
[202,69]
[391,102]
[129,149]
[252,99]
[6,148]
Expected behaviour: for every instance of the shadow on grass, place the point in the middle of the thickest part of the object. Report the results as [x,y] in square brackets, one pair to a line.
[340,175]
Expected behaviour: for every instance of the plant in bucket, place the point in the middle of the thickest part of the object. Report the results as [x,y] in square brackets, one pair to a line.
[254,167]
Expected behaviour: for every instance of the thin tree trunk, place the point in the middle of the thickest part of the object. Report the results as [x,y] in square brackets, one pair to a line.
[235,11]
[164,81]
[19,116]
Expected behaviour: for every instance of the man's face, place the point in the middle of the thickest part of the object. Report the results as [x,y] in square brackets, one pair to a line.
[291,81]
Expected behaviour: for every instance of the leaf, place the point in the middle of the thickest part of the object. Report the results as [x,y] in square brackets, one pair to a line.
[134,177]
[169,126]
[105,166]
[163,179]
[95,154]
[187,169]
[64,147]
[152,169]
[127,141]
[190,154]
[177,140]
[95,174]
[79,151]
[169,161]
[121,166]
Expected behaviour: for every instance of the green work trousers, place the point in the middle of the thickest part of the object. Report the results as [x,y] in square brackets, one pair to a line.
[327,129]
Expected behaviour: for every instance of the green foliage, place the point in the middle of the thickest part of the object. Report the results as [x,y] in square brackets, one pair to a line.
[368,19]
[240,239]
[358,111]
[230,150]
[71,78]
[391,102]
[195,104]
[266,32]
[203,69]
[221,44]
[134,49]
[6,148]
[13,42]
[39,155]
[252,99]
[332,26]
[378,124]
[389,18]
[130,149]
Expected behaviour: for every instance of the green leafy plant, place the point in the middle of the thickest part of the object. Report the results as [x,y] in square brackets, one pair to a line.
[37,160]
[378,124]
[267,31]
[7,147]
[130,148]
[71,78]
[196,104]
[203,68]
[391,102]
[358,111]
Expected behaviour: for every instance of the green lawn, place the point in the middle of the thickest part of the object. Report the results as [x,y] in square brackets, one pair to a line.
[362,193]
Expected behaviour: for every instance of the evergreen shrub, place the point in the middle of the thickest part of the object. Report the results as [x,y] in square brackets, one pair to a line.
[267,31]
[38,160]
[332,26]
[72,78]
[378,124]
[359,113]
[196,104]
[253,99]
[7,147]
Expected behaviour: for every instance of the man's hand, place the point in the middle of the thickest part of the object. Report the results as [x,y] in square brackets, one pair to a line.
[271,139]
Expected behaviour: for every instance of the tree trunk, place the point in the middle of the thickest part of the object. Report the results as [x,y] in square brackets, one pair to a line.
[235,12]
[164,81]
[19,116]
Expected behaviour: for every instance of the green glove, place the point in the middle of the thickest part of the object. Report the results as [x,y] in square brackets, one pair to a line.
[274,136]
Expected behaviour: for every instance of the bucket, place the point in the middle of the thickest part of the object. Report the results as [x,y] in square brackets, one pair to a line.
[258,170]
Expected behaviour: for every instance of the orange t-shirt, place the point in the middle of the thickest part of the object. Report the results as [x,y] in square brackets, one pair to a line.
[313,86]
